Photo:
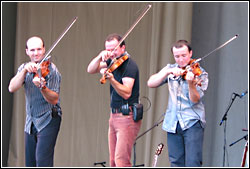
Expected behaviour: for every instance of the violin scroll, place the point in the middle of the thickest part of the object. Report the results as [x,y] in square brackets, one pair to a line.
[104,77]
[103,80]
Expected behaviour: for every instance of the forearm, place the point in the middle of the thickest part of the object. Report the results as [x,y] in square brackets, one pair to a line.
[156,79]
[123,90]
[17,81]
[94,65]
[193,93]
[50,96]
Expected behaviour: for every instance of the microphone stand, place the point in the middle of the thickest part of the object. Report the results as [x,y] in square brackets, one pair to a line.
[244,137]
[156,124]
[100,163]
[224,119]
[225,115]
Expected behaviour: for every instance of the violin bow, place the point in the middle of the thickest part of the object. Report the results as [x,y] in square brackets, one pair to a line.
[131,28]
[57,41]
[221,46]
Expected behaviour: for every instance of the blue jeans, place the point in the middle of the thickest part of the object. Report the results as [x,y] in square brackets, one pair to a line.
[185,147]
[39,147]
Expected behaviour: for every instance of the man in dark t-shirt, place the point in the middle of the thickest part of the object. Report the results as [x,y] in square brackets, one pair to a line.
[124,92]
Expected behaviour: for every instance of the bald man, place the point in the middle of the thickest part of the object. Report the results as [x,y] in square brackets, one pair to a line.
[43,111]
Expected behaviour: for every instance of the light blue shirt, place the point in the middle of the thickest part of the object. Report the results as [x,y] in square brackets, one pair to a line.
[38,110]
[180,107]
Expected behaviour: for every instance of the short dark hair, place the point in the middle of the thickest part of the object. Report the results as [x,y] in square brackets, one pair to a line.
[180,44]
[115,36]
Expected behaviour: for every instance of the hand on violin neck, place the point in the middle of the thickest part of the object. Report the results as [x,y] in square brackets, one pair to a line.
[192,79]
[39,82]
[190,76]
[103,71]
[109,75]
[106,74]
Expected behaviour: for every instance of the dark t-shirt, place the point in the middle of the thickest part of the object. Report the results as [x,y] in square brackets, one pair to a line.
[127,69]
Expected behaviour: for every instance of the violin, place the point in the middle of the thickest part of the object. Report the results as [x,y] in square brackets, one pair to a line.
[43,70]
[112,67]
[194,67]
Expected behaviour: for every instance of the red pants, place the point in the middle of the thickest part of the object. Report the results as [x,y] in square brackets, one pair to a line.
[122,134]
